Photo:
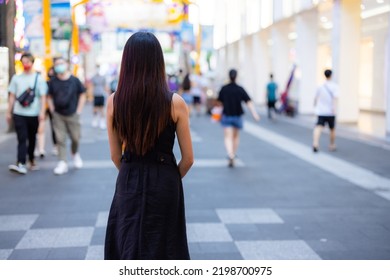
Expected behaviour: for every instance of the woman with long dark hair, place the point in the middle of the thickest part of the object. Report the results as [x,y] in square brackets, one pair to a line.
[147,218]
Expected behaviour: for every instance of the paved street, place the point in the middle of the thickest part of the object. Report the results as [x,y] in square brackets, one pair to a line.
[280,202]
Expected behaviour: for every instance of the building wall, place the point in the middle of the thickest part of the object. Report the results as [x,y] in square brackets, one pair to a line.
[272,48]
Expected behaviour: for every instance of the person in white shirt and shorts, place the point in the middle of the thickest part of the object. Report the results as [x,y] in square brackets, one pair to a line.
[325,104]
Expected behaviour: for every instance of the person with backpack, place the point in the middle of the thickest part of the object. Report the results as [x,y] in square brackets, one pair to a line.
[27,94]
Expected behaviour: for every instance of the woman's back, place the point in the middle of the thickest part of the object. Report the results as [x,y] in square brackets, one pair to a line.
[147,218]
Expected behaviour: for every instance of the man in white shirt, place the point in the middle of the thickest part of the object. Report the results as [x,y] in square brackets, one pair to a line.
[325,104]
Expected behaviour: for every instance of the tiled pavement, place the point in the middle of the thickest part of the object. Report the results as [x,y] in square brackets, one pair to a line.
[280,202]
[229,234]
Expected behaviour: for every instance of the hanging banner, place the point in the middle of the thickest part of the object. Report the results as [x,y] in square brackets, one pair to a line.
[207,37]
[32,13]
[33,32]
[60,19]
[96,19]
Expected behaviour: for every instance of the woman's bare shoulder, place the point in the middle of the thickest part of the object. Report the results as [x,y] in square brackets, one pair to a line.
[179,107]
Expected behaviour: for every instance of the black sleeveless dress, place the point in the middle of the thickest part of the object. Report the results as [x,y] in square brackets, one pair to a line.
[147,219]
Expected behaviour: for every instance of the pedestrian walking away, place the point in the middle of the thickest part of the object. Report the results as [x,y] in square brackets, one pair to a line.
[231,96]
[185,91]
[325,103]
[26,114]
[100,90]
[147,216]
[66,101]
[272,88]
[198,90]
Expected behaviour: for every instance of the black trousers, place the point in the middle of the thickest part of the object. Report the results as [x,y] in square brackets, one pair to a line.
[26,131]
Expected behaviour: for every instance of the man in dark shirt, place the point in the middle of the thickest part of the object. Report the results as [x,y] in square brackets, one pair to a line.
[66,101]
[231,96]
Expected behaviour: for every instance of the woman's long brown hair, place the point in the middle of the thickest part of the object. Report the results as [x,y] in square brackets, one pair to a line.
[142,102]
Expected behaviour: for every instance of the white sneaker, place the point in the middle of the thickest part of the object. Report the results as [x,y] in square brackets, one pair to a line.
[19,168]
[95,122]
[62,168]
[102,124]
[77,161]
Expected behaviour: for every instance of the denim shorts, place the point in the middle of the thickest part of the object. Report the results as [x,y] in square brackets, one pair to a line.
[232,121]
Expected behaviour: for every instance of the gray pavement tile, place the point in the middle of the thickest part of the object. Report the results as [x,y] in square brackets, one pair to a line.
[9,239]
[364,243]
[202,216]
[17,222]
[102,219]
[276,250]
[320,232]
[207,232]
[64,220]
[249,216]
[56,238]
[99,235]
[75,253]
[324,245]
[30,254]
[5,253]
[358,254]
[95,252]
[193,247]
[377,232]
[216,256]
[214,247]
[261,232]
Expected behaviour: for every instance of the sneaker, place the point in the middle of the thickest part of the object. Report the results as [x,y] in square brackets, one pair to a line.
[77,161]
[231,162]
[62,168]
[19,168]
[42,154]
[95,123]
[102,124]
[33,166]
[315,149]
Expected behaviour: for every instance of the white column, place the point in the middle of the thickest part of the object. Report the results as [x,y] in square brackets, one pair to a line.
[280,61]
[244,64]
[306,49]
[242,53]
[345,56]
[221,66]
[277,10]
[261,60]
[387,80]
[232,56]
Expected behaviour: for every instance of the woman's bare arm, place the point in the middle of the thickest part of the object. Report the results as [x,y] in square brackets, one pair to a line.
[113,138]
[181,117]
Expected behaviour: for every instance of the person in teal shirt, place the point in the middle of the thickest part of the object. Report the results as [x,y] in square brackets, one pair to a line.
[26,119]
[272,88]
